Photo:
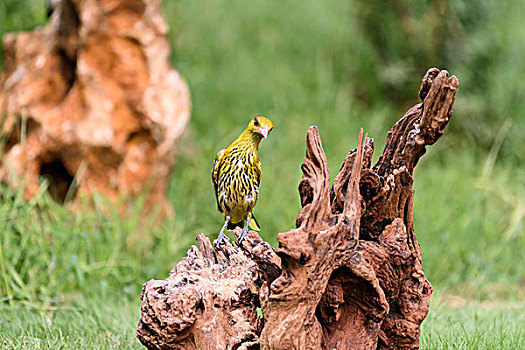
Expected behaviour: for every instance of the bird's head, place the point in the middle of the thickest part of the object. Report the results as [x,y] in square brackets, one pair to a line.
[260,125]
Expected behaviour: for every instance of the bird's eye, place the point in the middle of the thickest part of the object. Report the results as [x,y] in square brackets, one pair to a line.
[255,121]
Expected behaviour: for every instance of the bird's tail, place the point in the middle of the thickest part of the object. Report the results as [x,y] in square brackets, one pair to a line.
[232,226]
[253,224]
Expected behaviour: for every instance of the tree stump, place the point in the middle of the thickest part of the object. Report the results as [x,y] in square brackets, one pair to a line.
[350,275]
[92,95]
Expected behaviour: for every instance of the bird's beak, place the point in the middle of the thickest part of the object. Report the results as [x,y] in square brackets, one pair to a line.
[263,130]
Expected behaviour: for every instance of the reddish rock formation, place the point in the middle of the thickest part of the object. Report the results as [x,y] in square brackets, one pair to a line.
[92,95]
[350,275]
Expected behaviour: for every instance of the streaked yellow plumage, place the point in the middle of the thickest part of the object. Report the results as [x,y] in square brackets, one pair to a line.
[236,176]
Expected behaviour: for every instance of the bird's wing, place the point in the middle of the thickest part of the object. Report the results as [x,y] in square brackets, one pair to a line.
[215,175]
[254,225]
[258,173]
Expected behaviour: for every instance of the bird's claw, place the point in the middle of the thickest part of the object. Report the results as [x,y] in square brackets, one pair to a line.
[243,234]
[221,234]
[244,231]
[219,239]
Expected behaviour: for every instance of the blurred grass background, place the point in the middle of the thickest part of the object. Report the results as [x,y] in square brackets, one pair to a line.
[340,65]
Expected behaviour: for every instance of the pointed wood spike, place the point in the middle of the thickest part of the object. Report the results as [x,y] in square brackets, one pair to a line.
[352,207]
[314,187]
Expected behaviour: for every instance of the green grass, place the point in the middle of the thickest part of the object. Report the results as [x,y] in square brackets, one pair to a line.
[84,325]
[111,325]
[68,278]
[474,326]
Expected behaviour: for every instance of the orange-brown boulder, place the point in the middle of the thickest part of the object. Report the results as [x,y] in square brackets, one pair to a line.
[91,99]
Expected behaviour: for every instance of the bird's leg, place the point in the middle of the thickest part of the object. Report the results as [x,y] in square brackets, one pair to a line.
[221,234]
[244,230]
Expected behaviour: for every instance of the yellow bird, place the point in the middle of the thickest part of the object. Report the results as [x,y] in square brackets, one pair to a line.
[236,176]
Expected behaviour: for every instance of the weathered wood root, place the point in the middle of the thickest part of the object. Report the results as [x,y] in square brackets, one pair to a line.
[349,276]
[210,299]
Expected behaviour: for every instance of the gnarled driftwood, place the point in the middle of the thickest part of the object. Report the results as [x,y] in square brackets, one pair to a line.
[349,276]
